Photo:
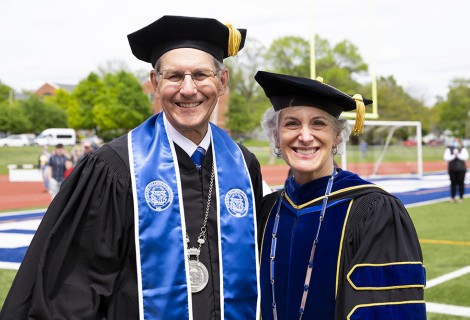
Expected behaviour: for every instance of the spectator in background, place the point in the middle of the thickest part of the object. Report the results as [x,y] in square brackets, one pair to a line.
[456,155]
[89,147]
[56,169]
[363,146]
[77,153]
[68,168]
[43,160]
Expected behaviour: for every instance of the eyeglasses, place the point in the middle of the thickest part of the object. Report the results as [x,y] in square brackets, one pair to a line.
[199,77]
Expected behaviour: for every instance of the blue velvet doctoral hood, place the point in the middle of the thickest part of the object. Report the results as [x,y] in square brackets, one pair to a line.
[298,224]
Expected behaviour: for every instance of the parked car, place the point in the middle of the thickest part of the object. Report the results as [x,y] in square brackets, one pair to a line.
[54,136]
[30,137]
[15,140]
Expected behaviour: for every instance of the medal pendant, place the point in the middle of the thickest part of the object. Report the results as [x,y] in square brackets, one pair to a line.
[198,275]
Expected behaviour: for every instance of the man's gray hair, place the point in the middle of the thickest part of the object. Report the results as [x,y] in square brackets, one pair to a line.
[270,125]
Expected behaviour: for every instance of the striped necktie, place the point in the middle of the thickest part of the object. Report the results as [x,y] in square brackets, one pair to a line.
[197,157]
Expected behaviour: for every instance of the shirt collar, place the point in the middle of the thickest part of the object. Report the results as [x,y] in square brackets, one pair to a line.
[187,145]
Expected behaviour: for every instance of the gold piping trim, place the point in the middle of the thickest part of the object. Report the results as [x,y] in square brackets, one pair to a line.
[341,246]
[301,206]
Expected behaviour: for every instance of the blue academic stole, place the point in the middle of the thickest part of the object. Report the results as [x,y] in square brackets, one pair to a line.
[162,267]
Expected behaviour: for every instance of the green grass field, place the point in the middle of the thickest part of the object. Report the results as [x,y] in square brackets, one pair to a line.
[20,156]
[445,240]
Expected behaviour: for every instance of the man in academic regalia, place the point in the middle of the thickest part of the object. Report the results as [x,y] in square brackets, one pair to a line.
[159,223]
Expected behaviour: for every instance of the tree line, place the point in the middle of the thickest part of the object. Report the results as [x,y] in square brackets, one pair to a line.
[112,102]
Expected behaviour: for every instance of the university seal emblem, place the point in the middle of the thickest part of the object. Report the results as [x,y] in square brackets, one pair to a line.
[236,202]
[158,195]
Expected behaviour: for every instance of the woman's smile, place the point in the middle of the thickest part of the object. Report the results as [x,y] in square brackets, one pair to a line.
[305,151]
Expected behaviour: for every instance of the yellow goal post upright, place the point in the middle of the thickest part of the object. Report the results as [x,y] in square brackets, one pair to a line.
[368,115]
[372,115]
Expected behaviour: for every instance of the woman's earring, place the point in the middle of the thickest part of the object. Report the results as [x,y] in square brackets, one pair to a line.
[334,151]
[277,152]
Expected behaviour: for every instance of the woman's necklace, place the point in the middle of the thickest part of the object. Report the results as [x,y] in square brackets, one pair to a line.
[198,274]
[308,274]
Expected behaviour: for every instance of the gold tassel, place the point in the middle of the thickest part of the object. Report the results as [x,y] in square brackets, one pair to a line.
[234,40]
[360,114]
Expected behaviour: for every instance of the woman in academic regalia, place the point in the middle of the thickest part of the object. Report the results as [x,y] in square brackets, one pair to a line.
[333,246]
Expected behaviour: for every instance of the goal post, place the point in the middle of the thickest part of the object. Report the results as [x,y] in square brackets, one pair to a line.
[381,150]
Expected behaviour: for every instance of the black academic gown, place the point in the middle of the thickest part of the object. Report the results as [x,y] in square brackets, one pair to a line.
[366,232]
[81,263]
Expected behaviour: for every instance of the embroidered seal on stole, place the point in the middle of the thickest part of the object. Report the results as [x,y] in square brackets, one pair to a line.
[236,202]
[158,195]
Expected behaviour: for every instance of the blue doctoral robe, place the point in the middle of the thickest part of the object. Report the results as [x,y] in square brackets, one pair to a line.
[367,263]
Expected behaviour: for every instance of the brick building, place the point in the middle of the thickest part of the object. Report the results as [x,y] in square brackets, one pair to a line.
[48,89]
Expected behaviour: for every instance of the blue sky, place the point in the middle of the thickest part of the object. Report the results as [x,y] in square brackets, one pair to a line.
[422,43]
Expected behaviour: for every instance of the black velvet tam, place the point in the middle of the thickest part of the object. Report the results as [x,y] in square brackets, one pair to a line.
[288,91]
[173,32]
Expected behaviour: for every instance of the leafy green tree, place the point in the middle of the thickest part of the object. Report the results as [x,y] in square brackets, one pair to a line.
[113,101]
[240,120]
[338,65]
[454,111]
[246,104]
[69,103]
[394,103]
[41,115]
[5,93]
[122,104]
[13,119]
[88,93]
[289,55]
[344,63]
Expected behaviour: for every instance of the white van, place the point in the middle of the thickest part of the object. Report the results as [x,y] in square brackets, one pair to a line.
[54,136]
